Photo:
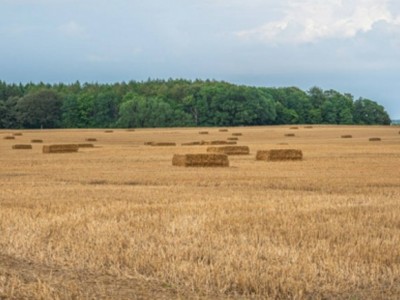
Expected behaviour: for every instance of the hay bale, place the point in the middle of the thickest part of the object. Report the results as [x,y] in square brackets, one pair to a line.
[237,134]
[232,139]
[192,144]
[220,143]
[91,140]
[290,134]
[294,127]
[163,144]
[279,154]
[130,129]
[283,144]
[22,147]
[346,136]
[308,127]
[203,132]
[230,150]
[200,160]
[17,134]
[108,131]
[85,145]
[374,139]
[148,143]
[36,141]
[9,137]
[223,130]
[62,148]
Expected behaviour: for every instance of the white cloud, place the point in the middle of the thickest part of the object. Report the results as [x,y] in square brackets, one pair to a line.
[72,29]
[307,21]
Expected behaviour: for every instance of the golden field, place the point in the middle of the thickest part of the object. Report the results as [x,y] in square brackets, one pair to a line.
[118,221]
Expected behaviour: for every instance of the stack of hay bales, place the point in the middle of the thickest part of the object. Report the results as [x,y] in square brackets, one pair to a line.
[36,141]
[346,136]
[230,150]
[374,139]
[62,148]
[232,139]
[279,154]
[200,160]
[22,147]
[222,143]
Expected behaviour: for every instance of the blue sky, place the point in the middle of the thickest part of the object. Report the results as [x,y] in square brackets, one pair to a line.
[351,46]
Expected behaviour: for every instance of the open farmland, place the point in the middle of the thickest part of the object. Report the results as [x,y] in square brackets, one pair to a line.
[119,221]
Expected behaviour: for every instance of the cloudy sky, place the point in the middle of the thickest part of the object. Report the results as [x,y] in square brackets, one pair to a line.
[348,45]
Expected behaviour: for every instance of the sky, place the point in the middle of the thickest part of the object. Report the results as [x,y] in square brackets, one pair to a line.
[352,46]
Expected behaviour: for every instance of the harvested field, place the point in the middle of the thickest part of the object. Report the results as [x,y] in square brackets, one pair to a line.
[85,145]
[121,222]
[22,147]
[279,154]
[63,148]
[200,160]
[36,141]
[375,139]
[230,150]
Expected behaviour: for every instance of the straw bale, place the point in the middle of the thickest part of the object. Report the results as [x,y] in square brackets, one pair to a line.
[163,144]
[192,144]
[85,145]
[130,129]
[91,140]
[148,143]
[237,134]
[9,137]
[290,134]
[203,132]
[308,127]
[347,136]
[36,141]
[61,148]
[22,146]
[232,139]
[223,130]
[375,139]
[279,154]
[17,134]
[230,150]
[221,143]
[294,127]
[200,160]
[108,131]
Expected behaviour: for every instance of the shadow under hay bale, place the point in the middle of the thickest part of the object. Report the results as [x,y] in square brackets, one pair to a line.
[375,139]
[108,131]
[294,127]
[9,137]
[91,140]
[203,132]
[279,154]
[237,134]
[232,139]
[85,145]
[200,160]
[162,144]
[230,150]
[346,136]
[62,148]
[223,130]
[22,147]
[36,141]
[290,134]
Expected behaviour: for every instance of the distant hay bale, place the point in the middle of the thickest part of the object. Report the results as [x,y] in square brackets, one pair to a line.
[130,129]
[232,139]
[283,144]
[279,154]
[221,143]
[62,148]
[191,144]
[36,141]
[163,144]
[308,127]
[374,139]
[108,131]
[230,150]
[9,137]
[200,160]
[237,134]
[91,140]
[17,134]
[148,143]
[85,145]
[223,130]
[203,132]
[290,134]
[22,146]
[294,127]
[346,136]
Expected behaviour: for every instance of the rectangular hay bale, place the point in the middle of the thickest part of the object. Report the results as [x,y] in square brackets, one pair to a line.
[22,147]
[375,139]
[346,136]
[200,160]
[237,134]
[223,130]
[203,132]
[85,145]
[290,134]
[17,134]
[163,144]
[36,141]
[61,148]
[230,150]
[279,154]
[9,137]
[91,140]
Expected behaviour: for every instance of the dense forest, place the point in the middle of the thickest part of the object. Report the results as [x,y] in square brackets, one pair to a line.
[172,103]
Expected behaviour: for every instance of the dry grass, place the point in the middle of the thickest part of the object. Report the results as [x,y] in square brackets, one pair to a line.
[200,160]
[120,222]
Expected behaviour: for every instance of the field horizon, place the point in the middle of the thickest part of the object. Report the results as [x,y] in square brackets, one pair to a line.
[119,221]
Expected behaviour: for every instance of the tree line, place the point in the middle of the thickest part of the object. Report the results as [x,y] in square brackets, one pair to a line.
[177,103]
